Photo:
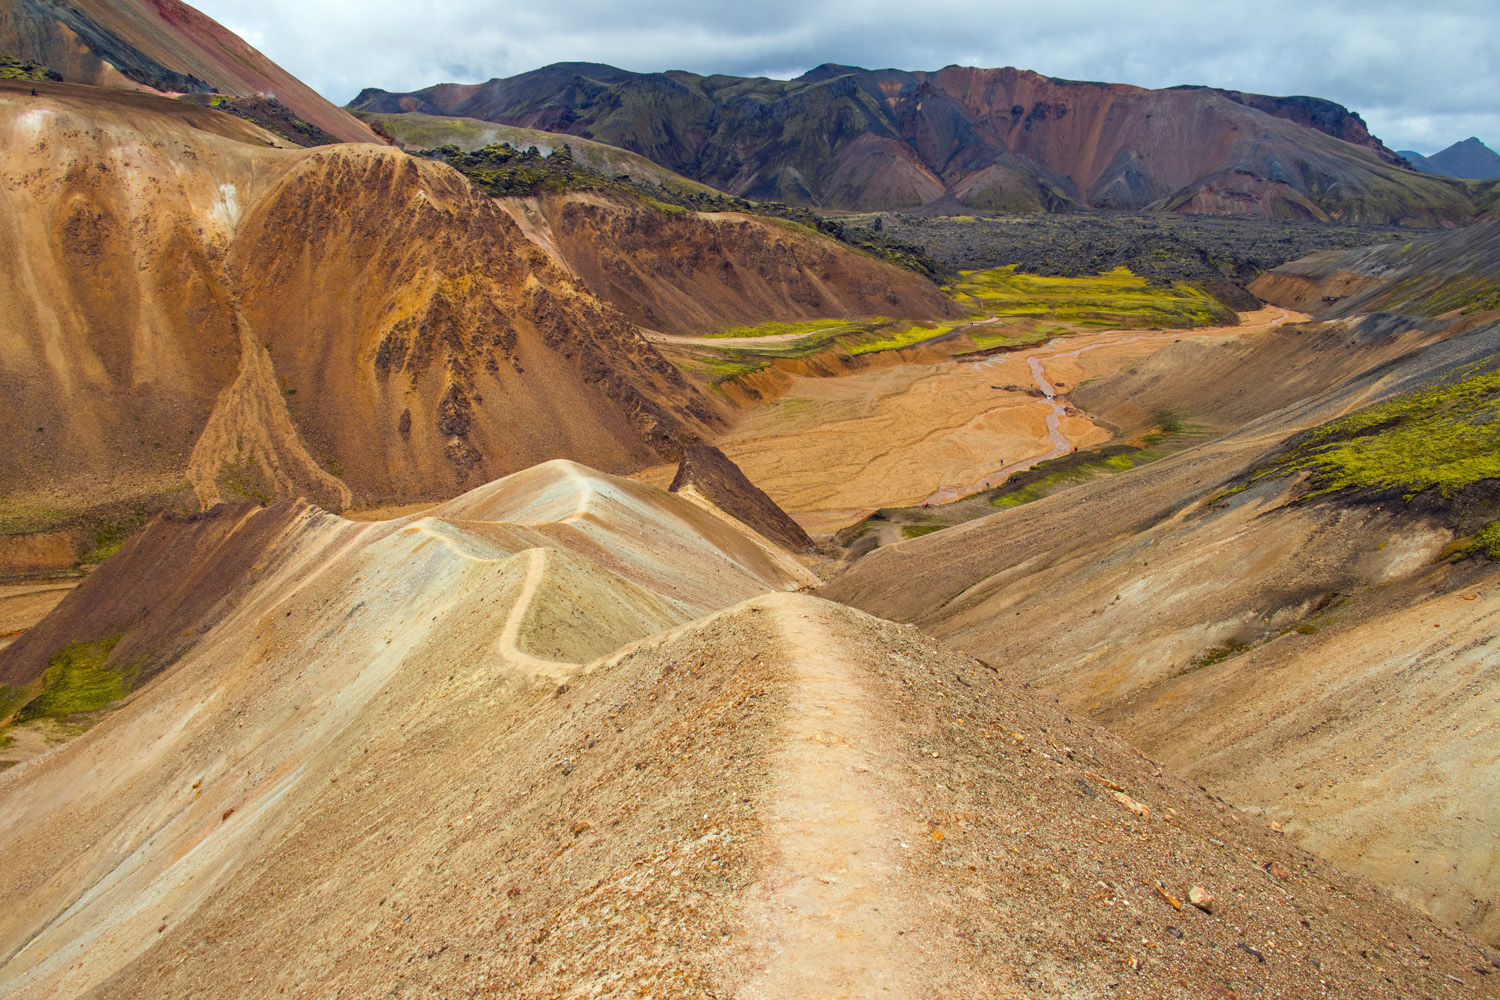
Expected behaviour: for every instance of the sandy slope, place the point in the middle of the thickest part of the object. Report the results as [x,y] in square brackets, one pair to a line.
[1361,732]
[786,798]
[480,602]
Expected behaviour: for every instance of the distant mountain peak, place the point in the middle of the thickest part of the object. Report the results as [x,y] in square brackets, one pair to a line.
[1469,159]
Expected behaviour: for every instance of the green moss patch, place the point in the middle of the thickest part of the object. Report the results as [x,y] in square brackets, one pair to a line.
[1437,448]
[1046,478]
[12,68]
[77,679]
[1444,439]
[782,329]
[1117,299]
[845,338]
[989,339]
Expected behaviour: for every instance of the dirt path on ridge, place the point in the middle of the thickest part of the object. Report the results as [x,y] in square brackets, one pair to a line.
[830,913]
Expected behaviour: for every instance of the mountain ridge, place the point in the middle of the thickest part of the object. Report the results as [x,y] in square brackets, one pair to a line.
[1468,159]
[968,139]
[164,46]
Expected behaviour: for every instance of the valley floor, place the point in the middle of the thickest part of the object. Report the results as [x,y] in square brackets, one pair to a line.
[832,450]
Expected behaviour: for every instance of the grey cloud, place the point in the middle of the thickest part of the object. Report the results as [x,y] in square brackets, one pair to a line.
[1422,75]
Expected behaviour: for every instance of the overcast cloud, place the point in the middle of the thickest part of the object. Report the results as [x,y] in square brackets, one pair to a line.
[1423,75]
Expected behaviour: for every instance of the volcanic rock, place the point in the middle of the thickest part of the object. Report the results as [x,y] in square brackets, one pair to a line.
[994,140]
[708,472]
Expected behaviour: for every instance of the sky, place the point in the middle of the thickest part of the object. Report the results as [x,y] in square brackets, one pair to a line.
[1422,74]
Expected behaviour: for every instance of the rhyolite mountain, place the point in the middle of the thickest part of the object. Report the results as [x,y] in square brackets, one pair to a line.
[969,139]
[1469,159]
[168,47]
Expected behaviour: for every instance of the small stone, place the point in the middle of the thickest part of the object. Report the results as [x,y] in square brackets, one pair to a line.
[1275,827]
[1275,870]
[1201,898]
[580,826]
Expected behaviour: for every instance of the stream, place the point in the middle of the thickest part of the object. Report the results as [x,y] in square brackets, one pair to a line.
[1059,441]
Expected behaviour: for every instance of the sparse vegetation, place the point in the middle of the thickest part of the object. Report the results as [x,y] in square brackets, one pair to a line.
[267,112]
[244,480]
[1046,478]
[1435,447]
[1216,255]
[504,171]
[1002,336]
[112,532]
[778,329]
[77,679]
[842,337]
[12,68]
[1117,299]
[1486,541]
[1440,439]
[1218,654]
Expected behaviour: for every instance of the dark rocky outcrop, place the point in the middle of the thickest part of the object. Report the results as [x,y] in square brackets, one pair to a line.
[710,472]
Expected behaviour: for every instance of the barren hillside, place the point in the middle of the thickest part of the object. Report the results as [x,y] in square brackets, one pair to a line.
[1319,657]
[183,329]
[163,46]
[495,749]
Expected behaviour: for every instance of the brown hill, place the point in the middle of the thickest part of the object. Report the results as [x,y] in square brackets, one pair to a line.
[226,293]
[1281,652]
[688,273]
[350,324]
[706,472]
[987,139]
[486,751]
[160,45]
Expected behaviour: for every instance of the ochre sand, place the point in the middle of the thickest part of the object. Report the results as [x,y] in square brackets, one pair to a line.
[832,450]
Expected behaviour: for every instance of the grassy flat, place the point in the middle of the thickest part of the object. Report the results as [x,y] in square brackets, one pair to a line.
[1116,299]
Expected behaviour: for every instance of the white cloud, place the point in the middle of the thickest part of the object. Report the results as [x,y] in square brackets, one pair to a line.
[1422,75]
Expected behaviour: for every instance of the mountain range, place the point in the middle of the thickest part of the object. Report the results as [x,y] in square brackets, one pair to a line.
[963,139]
[468,572]
[1469,159]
